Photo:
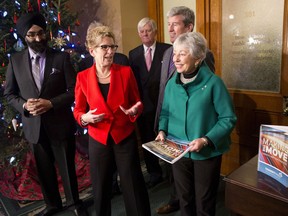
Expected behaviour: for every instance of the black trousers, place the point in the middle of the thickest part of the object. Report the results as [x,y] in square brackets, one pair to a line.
[127,161]
[173,200]
[48,153]
[146,130]
[196,183]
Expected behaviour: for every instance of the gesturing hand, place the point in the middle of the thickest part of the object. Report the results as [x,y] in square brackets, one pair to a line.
[133,110]
[90,117]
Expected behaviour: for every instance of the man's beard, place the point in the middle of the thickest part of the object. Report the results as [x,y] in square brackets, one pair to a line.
[37,46]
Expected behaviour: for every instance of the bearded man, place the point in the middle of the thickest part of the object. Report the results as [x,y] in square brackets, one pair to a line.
[40,86]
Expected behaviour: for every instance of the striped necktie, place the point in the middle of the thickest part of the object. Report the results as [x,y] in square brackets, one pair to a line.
[36,71]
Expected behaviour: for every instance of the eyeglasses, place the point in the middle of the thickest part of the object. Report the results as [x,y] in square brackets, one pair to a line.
[33,35]
[106,47]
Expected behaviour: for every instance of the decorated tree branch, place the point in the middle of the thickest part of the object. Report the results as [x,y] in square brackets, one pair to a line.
[61,29]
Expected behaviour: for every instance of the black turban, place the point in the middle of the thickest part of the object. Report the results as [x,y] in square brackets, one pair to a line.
[26,21]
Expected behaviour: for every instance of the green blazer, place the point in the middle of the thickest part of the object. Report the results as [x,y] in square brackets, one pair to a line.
[200,108]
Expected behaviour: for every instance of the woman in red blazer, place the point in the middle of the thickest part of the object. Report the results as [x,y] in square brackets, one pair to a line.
[107,102]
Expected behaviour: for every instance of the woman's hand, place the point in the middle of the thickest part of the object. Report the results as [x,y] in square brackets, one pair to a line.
[133,111]
[161,136]
[197,144]
[89,117]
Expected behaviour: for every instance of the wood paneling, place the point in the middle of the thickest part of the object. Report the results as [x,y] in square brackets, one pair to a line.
[155,11]
[209,24]
[284,88]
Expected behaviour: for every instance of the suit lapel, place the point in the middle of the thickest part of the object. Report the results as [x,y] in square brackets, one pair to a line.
[27,75]
[27,66]
[147,74]
[155,60]
[47,69]
[93,87]
[143,60]
[116,95]
[172,72]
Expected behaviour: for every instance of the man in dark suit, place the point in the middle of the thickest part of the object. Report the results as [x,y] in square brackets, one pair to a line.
[147,75]
[40,85]
[180,20]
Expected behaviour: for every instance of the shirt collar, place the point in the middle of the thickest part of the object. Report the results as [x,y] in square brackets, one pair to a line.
[33,54]
[152,47]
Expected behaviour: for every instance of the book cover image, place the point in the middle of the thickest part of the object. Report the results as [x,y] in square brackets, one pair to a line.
[170,150]
[273,152]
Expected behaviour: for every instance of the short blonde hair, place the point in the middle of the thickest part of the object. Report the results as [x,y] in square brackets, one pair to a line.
[96,33]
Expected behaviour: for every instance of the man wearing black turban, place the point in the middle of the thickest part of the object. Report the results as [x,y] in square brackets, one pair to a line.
[40,85]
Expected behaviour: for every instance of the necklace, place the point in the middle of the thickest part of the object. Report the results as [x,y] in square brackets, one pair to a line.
[103,77]
[186,80]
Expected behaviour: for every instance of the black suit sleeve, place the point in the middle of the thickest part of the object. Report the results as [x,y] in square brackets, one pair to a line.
[121,59]
[210,61]
[85,63]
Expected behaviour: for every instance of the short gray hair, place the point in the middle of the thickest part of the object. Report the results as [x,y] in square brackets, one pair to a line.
[147,20]
[195,42]
[187,13]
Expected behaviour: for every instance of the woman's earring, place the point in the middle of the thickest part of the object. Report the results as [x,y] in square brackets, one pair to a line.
[197,64]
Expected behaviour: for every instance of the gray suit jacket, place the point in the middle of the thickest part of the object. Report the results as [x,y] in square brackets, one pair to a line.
[58,87]
[164,78]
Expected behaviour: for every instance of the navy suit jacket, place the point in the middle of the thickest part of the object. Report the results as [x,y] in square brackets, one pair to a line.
[58,87]
[148,82]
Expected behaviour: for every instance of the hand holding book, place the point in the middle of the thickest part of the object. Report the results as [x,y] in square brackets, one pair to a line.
[170,150]
[161,136]
[197,144]
[194,146]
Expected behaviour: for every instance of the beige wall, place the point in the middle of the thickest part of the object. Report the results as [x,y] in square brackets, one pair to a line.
[132,11]
[121,15]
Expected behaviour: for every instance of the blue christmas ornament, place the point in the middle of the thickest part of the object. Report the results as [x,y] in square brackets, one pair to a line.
[18,46]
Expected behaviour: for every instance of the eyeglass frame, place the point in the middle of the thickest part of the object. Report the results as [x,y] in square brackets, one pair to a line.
[33,35]
[105,47]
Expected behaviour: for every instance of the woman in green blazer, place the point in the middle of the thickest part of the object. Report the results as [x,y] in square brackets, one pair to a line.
[196,108]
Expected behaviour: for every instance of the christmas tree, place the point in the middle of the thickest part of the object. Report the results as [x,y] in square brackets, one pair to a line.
[61,25]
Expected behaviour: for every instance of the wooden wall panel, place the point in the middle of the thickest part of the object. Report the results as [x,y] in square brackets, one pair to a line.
[155,11]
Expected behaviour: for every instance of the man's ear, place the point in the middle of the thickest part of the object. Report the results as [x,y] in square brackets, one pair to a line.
[191,27]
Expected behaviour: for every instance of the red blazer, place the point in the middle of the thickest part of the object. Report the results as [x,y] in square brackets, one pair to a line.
[123,91]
